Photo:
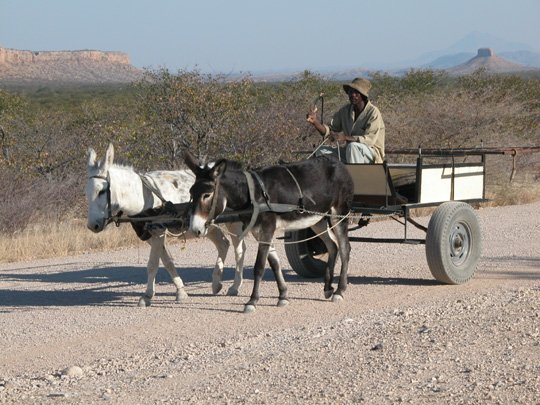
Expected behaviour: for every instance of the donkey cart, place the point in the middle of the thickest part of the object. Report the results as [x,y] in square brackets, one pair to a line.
[437,180]
[453,237]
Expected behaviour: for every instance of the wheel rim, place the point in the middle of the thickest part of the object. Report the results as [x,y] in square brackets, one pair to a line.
[460,243]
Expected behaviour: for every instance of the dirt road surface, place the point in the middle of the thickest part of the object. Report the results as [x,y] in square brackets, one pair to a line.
[71,331]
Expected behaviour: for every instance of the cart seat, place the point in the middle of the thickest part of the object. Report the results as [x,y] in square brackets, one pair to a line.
[378,184]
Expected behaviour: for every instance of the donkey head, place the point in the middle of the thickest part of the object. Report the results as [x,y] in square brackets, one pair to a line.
[98,193]
[207,203]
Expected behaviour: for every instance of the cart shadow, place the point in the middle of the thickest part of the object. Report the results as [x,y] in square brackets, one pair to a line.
[370,280]
[511,267]
[367,280]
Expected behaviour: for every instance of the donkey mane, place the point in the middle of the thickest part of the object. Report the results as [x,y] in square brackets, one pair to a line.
[231,164]
[115,166]
[122,166]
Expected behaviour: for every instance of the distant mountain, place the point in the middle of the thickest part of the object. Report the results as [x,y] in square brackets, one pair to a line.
[19,67]
[447,61]
[486,59]
[468,44]
[527,58]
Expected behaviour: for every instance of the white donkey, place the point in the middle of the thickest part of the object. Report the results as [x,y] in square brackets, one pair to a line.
[113,190]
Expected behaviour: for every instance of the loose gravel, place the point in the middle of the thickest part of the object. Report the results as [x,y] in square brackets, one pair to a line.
[71,331]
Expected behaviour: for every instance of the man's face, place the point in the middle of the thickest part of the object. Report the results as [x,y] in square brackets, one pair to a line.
[355,97]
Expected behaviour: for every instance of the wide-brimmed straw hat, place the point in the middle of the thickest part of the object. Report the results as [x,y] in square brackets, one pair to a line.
[359,84]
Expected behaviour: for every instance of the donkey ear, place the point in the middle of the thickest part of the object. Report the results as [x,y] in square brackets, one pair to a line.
[219,168]
[91,153]
[109,156]
[192,162]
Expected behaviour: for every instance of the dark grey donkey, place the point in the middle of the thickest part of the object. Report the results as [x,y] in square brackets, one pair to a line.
[289,197]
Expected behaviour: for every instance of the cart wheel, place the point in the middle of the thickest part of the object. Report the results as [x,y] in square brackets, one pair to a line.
[307,258]
[453,243]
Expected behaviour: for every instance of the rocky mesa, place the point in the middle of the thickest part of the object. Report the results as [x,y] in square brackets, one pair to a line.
[486,59]
[19,67]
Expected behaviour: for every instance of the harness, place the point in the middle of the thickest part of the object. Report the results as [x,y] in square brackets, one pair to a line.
[256,207]
[107,178]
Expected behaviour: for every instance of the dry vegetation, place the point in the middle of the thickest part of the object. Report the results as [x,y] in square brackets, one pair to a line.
[51,238]
[45,132]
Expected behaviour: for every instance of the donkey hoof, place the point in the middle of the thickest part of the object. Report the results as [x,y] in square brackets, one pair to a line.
[181,295]
[248,309]
[328,293]
[232,291]
[337,298]
[144,301]
[282,303]
[216,288]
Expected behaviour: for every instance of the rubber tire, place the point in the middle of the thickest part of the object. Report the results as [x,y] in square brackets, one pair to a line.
[453,243]
[302,255]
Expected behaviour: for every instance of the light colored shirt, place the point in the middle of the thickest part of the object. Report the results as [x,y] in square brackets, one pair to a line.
[368,128]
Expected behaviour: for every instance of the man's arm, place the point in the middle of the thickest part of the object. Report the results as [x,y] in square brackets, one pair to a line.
[313,120]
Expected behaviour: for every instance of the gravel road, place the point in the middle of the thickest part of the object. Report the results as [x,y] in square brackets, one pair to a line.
[71,331]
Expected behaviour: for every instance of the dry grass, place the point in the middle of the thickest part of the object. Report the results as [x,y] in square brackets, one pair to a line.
[49,239]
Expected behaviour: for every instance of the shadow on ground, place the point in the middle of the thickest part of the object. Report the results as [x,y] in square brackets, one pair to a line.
[106,284]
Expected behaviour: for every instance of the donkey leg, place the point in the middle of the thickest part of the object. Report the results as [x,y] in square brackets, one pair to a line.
[156,245]
[168,262]
[239,253]
[264,234]
[258,271]
[344,246]
[331,248]
[273,259]
[216,235]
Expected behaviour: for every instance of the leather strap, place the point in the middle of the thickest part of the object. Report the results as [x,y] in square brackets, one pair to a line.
[255,214]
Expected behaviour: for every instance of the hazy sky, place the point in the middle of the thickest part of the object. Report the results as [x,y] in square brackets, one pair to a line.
[251,36]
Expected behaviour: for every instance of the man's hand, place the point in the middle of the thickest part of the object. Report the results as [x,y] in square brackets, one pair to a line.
[311,116]
[339,137]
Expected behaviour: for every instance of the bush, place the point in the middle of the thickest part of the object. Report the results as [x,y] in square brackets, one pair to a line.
[45,133]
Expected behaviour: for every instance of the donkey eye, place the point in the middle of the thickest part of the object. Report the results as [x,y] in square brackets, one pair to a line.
[206,196]
[101,192]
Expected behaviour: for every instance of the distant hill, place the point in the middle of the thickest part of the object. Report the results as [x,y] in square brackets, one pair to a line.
[19,67]
[486,59]
[468,44]
[527,58]
[448,61]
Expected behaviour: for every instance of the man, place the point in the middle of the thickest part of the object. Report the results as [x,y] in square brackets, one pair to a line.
[357,127]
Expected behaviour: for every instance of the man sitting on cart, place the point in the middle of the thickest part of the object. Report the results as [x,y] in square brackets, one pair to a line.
[357,127]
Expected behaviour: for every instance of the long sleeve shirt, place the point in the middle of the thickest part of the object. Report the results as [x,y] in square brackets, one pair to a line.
[368,128]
